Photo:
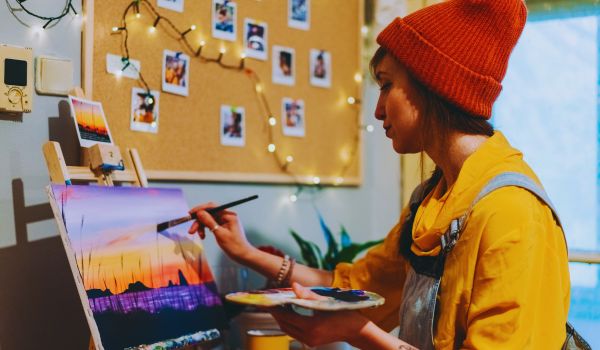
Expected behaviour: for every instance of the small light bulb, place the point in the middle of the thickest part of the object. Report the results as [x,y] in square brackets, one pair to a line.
[289,159]
[193,27]
[153,125]
[293,198]
[358,77]
[345,155]
[272,121]
[222,50]
[119,73]
[243,55]
[202,42]
[271,147]
[152,29]
[138,15]
[364,30]
[316,180]
[115,29]
[351,100]
[259,88]
[370,128]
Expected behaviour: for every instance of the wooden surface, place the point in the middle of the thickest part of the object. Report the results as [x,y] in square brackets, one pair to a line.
[187,145]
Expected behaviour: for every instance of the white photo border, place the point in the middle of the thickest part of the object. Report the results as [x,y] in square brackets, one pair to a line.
[293,131]
[279,78]
[140,126]
[172,88]
[231,141]
[293,23]
[257,54]
[85,142]
[220,34]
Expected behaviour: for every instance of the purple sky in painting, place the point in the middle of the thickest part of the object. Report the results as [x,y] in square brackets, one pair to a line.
[119,235]
[118,214]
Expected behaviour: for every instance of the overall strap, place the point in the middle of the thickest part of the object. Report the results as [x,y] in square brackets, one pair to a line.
[505,179]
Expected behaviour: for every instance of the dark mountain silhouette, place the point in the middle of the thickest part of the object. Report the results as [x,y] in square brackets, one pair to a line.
[136,287]
[97,293]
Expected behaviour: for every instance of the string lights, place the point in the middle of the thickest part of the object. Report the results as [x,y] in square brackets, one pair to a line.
[67,9]
[283,161]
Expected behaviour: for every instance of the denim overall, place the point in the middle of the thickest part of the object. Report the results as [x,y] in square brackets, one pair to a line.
[421,288]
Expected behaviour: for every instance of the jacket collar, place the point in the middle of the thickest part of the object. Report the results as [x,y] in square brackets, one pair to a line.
[436,212]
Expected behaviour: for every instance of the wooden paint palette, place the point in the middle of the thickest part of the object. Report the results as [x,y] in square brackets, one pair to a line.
[337,299]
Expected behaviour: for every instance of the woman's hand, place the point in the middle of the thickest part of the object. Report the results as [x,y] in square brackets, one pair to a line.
[227,229]
[322,327]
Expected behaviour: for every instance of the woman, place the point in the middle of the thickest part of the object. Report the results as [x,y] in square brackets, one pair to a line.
[496,280]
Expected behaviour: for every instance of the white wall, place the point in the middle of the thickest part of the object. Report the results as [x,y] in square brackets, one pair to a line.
[38,300]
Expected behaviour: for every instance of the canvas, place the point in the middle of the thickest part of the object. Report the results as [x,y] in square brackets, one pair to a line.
[140,289]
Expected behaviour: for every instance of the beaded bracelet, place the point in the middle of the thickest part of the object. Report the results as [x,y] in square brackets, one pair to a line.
[288,275]
[283,270]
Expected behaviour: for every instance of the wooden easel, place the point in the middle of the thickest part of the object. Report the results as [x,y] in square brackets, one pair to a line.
[133,173]
[61,173]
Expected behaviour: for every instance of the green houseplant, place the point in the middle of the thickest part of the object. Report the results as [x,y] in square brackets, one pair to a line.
[336,253]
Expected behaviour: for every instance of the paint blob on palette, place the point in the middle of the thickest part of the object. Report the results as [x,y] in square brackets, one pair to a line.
[141,289]
[334,299]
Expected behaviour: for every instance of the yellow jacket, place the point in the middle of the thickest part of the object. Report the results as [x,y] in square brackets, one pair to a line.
[506,282]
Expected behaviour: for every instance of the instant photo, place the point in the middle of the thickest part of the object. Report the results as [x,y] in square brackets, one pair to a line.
[224,19]
[320,68]
[144,110]
[299,14]
[90,122]
[232,126]
[284,65]
[292,114]
[175,72]
[175,5]
[255,39]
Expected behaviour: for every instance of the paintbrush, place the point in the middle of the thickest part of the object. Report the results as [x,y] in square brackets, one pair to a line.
[165,225]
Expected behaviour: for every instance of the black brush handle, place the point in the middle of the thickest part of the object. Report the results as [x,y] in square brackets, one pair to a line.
[215,210]
[165,225]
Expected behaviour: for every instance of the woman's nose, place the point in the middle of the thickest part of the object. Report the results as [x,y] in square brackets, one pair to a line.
[380,110]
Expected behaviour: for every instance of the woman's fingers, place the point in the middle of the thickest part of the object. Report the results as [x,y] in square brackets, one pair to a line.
[203,206]
[305,293]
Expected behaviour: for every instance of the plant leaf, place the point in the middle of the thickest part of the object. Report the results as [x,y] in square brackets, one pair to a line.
[311,254]
[332,247]
[346,240]
[349,253]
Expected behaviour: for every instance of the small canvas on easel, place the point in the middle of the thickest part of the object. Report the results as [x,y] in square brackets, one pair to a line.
[90,122]
[141,289]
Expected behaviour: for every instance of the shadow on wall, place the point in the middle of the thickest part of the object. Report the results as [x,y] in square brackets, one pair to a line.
[62,130]
[39,303]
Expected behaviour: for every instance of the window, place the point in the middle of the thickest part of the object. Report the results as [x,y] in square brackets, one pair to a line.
[549,109]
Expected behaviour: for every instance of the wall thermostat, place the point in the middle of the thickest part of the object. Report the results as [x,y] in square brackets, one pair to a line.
[53,76]
[16,78]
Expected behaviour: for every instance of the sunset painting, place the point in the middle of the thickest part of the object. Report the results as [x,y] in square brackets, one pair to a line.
[90,122]
[143,287]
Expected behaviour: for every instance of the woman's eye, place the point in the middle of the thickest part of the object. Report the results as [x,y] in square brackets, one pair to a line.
[385,86]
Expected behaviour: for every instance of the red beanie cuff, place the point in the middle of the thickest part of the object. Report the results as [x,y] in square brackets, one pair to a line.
[461,86]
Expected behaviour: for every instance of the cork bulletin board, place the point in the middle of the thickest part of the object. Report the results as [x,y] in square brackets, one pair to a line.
[188,145]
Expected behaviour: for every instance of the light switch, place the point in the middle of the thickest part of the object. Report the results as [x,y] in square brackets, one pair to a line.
[53,76]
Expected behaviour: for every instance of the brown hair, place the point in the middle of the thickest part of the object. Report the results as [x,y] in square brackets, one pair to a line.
[440,117]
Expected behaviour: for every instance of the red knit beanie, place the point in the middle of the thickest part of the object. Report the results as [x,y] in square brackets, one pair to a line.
[459,48]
